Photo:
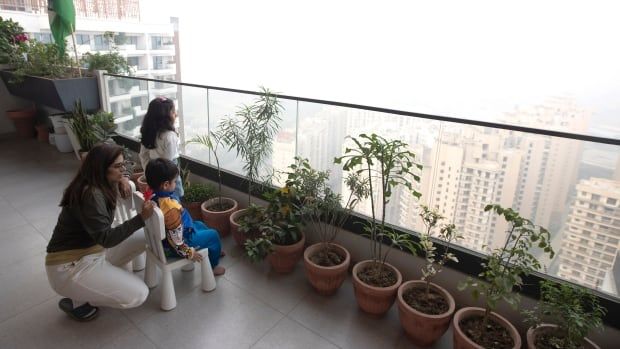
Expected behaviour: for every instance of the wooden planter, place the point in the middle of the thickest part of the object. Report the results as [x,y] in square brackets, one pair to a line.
[219,220]
[58,94]
[371,299]
[460,339]
[532,332]
[326,280]
[284,258]
[424,329]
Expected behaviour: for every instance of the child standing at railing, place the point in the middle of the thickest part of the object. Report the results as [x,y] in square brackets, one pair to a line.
[158,136]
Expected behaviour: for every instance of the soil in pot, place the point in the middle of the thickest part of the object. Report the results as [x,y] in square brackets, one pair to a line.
[435,304]
[327,258]
[377,276]
[220,207]
[545,335]
[495,335]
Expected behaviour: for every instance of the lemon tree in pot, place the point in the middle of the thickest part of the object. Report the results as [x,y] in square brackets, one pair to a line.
[564,316]
[426,308]
[384,165]
[216,212]
[502,273]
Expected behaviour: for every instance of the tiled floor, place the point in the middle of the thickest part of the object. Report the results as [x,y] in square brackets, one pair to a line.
[251,307]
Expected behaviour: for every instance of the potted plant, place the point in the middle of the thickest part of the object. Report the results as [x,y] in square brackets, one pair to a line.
[251,134]
[11,35]
[384,165]
[112,62]
[563,317]
[326,263]
[251,224]
[195,194]
[280,238]
[425,308]
[42,125]
[43,75]
[81,130]
[502,272]
[216,211]
[23,119]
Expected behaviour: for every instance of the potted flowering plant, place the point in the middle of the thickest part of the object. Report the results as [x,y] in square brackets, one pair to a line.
[11,36]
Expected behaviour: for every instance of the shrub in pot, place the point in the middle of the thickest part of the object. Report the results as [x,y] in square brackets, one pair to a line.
[11,36]
[564,316]
[502,273]
[250,223]
[195,195]
[383,166]
[216,212]
[426,308]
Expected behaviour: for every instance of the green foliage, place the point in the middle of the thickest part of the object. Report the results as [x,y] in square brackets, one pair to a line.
[39,59]
[447,233]
[506,266]
[384,164]
[11,34]
[211,142]
[198,192]
[91,129]
[104,126]
[574,309]
[112,62]
[251,134]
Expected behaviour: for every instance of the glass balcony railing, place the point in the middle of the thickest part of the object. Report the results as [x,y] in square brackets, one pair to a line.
[545,167]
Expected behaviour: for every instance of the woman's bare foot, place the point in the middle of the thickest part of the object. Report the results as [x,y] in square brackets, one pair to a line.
[222,253]
[219,270]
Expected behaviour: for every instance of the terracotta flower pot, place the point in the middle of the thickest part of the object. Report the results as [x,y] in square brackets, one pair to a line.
[533,332]
[219,220]
[326,280]
[43,133]
[424,329]
[371,299]
[284,258]
[141,183]
[460,339]
[194,209]
[239,237]
[23,120]
[134,177]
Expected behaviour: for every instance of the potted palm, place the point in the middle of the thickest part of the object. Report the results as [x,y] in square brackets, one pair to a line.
[563,317]
[251,134]
[426,308]
[384,165]
[216,212]
[326,263]
[502,272]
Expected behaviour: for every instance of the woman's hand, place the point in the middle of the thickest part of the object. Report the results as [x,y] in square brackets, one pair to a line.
[147,209]
[124,188]
[196,256]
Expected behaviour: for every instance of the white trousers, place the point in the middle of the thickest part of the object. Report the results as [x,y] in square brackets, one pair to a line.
[100,280]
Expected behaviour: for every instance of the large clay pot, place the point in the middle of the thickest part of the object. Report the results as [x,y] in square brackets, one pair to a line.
[533,332]
[194,209]
[43,133]
[239,237]
[219,220]
[284,258]
[371,299]
[423,329]
[23,119]
[142,185]
[326,280]
[460,339]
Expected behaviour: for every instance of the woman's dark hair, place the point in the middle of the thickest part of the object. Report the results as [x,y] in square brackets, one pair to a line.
[158,171]
[93,174]
[157,119]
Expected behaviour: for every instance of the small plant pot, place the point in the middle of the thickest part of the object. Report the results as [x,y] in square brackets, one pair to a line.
[238,236]
[63,143]
[194,209]
[371,299]
[43,133]
[284,258]
[423,329]
[460,339]
[219,220]
[326,280]
[23,120]
[142,185]
[533,332]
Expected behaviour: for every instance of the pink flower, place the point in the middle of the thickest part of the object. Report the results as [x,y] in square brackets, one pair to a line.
[21,37]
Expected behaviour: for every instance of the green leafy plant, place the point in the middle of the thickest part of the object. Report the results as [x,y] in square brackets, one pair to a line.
[112,62]
[211,142]
[11,35]
[384,165]
[104,126]
[435,261]
[39,59]
[505,267]
[573,309]
[198,192]
[251,134]
[318,204]
[83,128]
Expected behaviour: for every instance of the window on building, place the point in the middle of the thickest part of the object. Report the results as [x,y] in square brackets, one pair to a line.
[82,39]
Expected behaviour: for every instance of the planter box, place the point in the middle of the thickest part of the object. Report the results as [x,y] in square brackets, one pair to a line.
[57,94]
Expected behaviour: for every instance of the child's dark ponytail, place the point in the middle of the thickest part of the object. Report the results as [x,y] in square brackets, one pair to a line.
[156,120]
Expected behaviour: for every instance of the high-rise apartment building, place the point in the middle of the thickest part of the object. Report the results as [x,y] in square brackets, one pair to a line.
[591,233]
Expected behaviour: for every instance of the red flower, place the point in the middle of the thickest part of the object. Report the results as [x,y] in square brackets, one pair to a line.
[148,194]
[21,37]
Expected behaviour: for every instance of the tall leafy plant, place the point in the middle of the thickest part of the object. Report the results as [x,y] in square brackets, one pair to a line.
[83,127]
[211,141]
[384,165]
[251,134]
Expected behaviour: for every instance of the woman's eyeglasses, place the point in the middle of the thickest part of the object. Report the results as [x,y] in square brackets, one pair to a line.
[120,165]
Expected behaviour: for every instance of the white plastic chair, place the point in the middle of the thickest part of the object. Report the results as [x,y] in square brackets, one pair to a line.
[124,211]
[155,232]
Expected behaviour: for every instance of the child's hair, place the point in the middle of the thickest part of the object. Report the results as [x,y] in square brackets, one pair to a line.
[160,170]
[157,119]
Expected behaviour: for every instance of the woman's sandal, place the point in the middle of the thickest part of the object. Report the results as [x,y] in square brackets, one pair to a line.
[84,312]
